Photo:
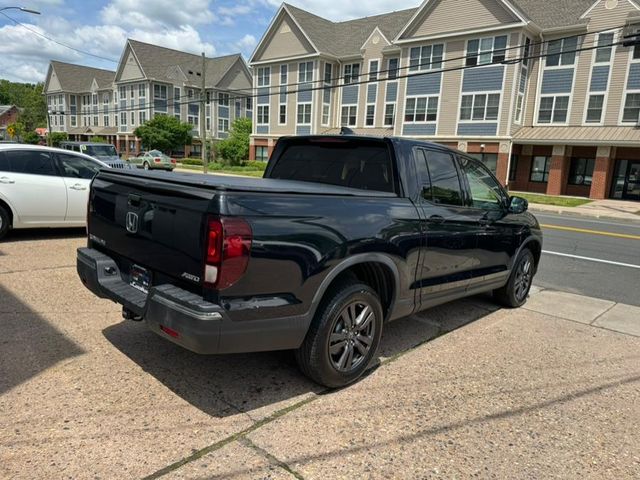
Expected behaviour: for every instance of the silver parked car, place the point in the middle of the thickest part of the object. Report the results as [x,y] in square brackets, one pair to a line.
[152,160]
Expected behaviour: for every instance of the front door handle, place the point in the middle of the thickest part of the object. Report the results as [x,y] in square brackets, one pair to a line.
[436,219]
[6,180]
[77,186]
[484,221]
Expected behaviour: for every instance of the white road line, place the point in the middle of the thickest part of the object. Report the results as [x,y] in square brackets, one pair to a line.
[589,259]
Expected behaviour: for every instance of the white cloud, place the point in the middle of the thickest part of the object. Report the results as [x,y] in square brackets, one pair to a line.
[147,15]
[346,10]
[245,45]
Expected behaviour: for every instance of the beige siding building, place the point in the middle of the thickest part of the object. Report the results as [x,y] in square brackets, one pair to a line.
[150,80]
[542,91]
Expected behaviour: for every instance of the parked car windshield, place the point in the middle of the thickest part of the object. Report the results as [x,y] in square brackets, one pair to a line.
[99,150]
[156,153]
[354,164]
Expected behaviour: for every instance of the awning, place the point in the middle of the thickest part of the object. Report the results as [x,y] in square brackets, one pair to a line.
[609,136]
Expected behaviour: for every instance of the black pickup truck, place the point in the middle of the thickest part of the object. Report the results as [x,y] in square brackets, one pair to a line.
[342,235]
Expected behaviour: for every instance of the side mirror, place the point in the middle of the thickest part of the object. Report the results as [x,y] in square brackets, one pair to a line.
[518,205]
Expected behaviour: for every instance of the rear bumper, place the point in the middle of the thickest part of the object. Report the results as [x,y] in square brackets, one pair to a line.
[202,327]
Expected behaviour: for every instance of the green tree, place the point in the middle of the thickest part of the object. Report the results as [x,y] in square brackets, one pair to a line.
[31,138]
[235,149]
[165,133]
[29,99]
[57,137]
[99,140]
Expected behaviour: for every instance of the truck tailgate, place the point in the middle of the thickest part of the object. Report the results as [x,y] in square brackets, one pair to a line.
[150,225]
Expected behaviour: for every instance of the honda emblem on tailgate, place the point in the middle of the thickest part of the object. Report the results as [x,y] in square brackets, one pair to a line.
[132,222]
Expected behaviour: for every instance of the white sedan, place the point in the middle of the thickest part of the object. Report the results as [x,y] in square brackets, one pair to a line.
[44,187]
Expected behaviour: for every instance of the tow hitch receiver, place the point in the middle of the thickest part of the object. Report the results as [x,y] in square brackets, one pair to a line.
[129,315]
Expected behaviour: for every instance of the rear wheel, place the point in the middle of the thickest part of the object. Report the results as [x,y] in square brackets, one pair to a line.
[514,294]
[145,165]
[343,337]
[5,222]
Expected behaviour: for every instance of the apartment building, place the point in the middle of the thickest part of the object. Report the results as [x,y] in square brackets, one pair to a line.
[534,88]
[150,80]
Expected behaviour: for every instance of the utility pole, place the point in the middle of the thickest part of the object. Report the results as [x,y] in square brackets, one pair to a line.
[48,127]
[203,131]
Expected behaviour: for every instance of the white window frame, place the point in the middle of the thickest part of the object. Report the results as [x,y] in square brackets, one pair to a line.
[223,125]
[374,75]
[553,109]
[304,106]
[480,52]
[602,108]
[415,98]
[366,115]
[350,66]
[393,116]
[576,55]
[397,68]
[473,106]
[589,93]
[263,76]
[308,75]
[286,113]
[626,92]
[326,116]
[429,64]
[259,114]
[349,107]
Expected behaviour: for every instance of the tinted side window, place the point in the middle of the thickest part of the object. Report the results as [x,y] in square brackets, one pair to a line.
[5,166]
[32,161]
[76,167]
[445,184]
[486,192]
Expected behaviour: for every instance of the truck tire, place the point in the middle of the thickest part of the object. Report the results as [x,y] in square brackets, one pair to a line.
[514,294]
[5,222]
[343,337]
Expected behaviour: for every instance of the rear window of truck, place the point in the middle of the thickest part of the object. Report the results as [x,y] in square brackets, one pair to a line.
[353,164]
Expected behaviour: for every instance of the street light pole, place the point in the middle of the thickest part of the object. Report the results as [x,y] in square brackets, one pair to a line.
[22,9]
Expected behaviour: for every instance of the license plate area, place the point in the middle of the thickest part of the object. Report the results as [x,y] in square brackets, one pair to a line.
[140,278]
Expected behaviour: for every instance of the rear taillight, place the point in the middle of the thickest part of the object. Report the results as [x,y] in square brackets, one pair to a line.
[157,160]
[228,251]
[173,160]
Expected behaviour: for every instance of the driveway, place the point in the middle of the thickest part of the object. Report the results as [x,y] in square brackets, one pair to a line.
[461,390]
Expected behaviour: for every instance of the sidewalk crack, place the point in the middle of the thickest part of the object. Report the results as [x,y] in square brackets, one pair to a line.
[273,460]
[596,319]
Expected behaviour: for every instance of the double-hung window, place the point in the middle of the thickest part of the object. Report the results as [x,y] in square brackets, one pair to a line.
[264,76]
[263,114]
[304,114]
[392,68]
[371,116]
[351,73]
[553,109]
[594,108]
[631,113]
[223,99]
[421,109]
[484,51]
[480,107]
[305,72]
[159,98]
[562,52]
[373,70]
[389,114]
[349,115]
[427,57]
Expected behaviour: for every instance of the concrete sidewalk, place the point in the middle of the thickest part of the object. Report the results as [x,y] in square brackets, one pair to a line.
[615,209]
[547,391]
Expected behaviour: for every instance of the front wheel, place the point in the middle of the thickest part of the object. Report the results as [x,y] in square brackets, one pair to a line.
[514,294]
[343,337]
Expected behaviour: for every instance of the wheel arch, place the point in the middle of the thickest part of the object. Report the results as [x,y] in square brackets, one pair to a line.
[7,207]
[535,245]
[374,269]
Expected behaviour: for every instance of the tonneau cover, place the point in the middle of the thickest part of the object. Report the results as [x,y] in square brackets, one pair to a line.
[242,184]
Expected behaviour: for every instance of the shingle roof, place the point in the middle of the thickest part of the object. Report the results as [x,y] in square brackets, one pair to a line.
[78,78]
[5,108]
[159,63]
[343,39]
[554,13]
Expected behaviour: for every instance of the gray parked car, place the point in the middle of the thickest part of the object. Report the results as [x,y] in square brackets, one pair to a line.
[105,152]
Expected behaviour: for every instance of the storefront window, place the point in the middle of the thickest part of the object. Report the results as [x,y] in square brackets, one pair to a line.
[581,171]
[262,154]
[540,169]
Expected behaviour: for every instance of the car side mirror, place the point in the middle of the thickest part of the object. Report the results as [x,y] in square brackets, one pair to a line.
[518,205]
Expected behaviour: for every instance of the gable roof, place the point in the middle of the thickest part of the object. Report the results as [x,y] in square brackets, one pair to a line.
[78,78]
[160,63]
[554,13]
[344,39]
[6,108]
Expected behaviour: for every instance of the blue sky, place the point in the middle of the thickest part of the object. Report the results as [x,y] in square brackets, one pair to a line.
[101,27]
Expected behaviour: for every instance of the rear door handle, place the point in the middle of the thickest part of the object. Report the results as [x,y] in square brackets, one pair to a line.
[436,219]
[78,186]
[6,180]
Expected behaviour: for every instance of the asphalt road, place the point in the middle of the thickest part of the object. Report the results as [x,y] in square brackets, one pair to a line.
[610,268]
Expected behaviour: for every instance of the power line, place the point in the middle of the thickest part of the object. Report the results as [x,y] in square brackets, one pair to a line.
[215,101]
[56,41]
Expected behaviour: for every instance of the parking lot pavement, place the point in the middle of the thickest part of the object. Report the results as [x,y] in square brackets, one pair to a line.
[463,389]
